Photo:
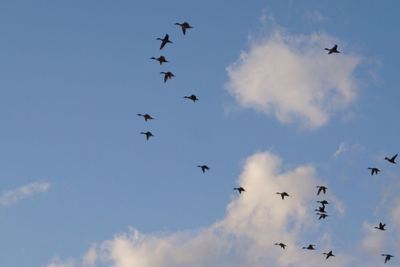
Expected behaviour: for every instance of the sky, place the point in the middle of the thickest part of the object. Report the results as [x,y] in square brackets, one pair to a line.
[81,187]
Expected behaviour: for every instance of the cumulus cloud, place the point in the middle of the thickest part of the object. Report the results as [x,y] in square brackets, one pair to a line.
[292,78]
[14,195]
[254,221]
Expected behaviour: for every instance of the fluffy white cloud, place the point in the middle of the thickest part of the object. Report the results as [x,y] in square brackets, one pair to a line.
[254,221]
[12,196]
[292,78]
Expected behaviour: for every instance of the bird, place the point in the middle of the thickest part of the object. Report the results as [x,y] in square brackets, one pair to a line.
[323,202]
[283,246]
[192,97]
[310,247]
[185,25]
[387,257]
[321,209]
[392,159]
[332,50]
[374,170]
[239,189]
[329,254]
[160,59]
[146,116]
[322,215]
[381,226]
[164,41]
[148,134]
[204,168]
[167,75]
[322,189]
[283,195]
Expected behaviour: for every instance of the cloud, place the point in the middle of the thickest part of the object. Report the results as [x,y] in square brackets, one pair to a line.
[315,16]
[254,221]
[292,78]
[56,262]
[342,148]
[14,195]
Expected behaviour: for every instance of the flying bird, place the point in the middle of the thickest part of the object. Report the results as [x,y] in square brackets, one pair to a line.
[239,189]
[322,215]
[204,168]
[310,247]
[164,41]
[146,116]
[323,202]
[374,170]
[329,254]
[381,226]
[160,59]
[167,75]
[322,189]
[283,195]
[148,134]
[283,246]
[392,159]
[184,26]
[321,209]
[332,50]
[192,97]
[387,257]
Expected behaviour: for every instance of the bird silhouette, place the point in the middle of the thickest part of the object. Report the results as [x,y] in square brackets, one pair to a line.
[164,41]
[321,209]
[184,26]
[381,226]
[310,247]
[192,97]
[239,189]
[160,59]
[146,116]
[332,50]
[387,257]
[322,189]
[167,75]
[322,215]
[374,170]
[204,168]
[283,246]
[283,195]
[323,202]
[392,159]
[148,134]
[329,254]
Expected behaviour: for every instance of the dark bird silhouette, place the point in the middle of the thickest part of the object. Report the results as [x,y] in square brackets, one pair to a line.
[387,257]
[329,254]
[146,116]
[321,209]
[322,189]
[392,159]
[239,189]
[148,134]
[160,59]
[192,97]
[283,195]
[374,170]
[323,202]
[322,215]
[381,226]
[332,50]
[204,168]
[167,75]
[184,26]
[283,246]
[164,41]
[310,247]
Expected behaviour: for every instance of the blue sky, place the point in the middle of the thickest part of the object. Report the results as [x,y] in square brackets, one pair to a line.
[77,177]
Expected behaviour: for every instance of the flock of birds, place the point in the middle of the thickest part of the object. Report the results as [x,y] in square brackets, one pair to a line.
[321,210]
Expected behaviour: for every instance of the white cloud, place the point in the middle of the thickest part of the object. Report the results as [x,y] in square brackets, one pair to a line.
[342,148]
[12,196]
[56,262]
[90,257]
[293,79]
[254,221]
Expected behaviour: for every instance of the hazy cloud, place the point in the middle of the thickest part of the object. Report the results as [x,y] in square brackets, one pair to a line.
[56,262]
[293,79]
[14,195]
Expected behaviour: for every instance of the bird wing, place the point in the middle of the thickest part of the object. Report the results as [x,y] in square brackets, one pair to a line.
[334,47]
[184,30]
[394,157]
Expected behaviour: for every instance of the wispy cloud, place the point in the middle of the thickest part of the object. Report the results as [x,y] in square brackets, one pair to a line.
[14,195]
[56,262]
[315,16]
[292,78]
